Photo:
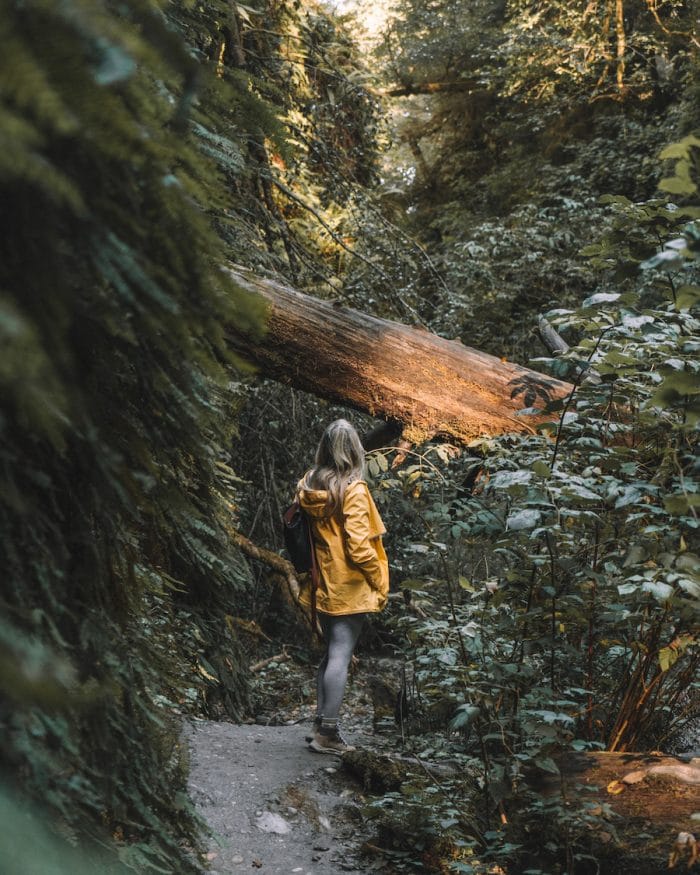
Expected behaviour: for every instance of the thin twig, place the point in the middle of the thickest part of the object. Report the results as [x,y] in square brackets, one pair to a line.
[420,456]
[577,382]
[278,657]
[314,212]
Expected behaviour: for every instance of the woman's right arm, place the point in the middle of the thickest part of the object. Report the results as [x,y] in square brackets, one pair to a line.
[357,535]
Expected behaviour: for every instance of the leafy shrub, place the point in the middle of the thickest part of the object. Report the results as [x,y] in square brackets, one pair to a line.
[555,596]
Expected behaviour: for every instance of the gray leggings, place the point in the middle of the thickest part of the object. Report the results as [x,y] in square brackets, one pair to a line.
[340,632]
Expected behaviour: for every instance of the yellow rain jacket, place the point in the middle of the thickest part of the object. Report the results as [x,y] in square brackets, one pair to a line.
[353,568]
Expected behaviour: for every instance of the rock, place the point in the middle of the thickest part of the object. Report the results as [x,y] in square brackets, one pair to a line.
[635,777]
[268,821]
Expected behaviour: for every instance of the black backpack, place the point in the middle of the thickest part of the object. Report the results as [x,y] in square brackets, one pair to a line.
[298,540]
[297,537]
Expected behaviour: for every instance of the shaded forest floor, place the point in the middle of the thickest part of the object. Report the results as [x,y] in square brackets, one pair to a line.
[275,807]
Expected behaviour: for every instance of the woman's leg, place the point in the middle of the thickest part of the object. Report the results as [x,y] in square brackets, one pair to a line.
[341,634]
[319,682]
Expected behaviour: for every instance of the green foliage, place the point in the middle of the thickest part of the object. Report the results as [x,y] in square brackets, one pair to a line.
[554,578]
[142,148]
[578,49]
[306,167]
[510,124]
[116,411]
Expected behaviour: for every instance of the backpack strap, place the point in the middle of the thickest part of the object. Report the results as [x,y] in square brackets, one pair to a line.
[315,577]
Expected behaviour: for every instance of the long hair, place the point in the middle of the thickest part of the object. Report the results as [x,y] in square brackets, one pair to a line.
[340,460]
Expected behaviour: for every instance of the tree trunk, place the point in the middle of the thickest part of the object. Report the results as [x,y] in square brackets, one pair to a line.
[621,44]
[435,387]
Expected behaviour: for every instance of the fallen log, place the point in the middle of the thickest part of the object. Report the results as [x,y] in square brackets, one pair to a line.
[433,386]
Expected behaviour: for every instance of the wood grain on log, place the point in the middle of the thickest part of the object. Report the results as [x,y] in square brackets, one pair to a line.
[434,386]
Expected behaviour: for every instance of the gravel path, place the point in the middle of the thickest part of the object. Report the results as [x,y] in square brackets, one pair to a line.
[273,805]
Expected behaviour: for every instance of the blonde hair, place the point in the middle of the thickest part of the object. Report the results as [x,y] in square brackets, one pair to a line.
[340,460]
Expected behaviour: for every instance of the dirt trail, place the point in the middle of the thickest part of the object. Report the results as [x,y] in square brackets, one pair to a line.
[274,806]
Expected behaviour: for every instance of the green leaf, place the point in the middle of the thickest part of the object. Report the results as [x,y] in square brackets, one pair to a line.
[447,655]
[669,259]
[448,822]
[552,717]
[680,149]
[601,298]
[629,495]
[682,382]
[523,519]
[692,587]
[547,764]
[413,584]
[464,716]
[615,199]
[688,562]
[576,490]
[507,479]
[115,64]
[661,591]
[542,469]
[668,656]
[677,185]
[680,502]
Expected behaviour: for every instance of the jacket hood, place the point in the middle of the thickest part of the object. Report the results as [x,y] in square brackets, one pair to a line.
[314,502]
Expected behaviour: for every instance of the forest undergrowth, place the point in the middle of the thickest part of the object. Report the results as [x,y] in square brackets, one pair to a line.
[550,583]
[483,164]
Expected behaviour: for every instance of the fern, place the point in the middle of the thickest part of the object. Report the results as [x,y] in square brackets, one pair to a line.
[112,309]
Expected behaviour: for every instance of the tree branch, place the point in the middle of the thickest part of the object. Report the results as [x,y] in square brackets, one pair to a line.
[278,564]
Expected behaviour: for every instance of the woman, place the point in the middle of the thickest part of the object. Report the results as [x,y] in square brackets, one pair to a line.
[353,569]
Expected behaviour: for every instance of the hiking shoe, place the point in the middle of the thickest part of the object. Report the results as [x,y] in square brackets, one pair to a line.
[315,729]
[329,742]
